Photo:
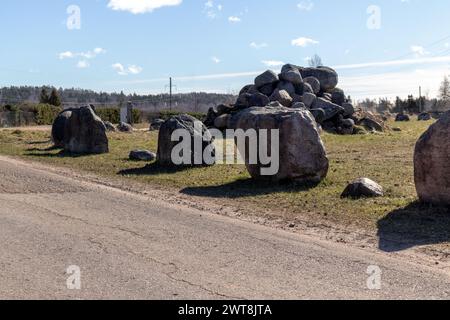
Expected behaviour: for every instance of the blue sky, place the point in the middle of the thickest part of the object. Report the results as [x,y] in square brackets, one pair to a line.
[379,47]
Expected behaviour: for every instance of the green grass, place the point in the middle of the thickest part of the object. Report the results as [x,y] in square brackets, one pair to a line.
[385,158]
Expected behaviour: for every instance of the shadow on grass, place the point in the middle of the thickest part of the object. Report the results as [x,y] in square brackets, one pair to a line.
[246,188]
[52,148]
[417,224]
[39,142]
[45,153]
[152,169]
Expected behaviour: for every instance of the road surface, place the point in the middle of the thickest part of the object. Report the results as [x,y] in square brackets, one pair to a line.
[129,246]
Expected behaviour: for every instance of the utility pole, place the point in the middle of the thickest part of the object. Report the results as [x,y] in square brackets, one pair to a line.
[420,99]
[170,92]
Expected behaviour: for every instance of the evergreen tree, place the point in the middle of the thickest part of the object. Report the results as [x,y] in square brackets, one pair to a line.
[54,99]
[44,98]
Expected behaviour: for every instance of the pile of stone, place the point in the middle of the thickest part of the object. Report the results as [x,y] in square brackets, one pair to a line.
[314,89]
[80,131]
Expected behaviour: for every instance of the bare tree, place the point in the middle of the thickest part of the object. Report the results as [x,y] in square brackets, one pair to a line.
[315,61]
[444,90]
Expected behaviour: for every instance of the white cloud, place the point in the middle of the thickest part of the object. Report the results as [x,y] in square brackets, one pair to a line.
[393,63]
[83,64]
[131,69]
[66,55]
[234,19]
[419,50]
[303,42]
[211,9]
[216,60]
[306,5]
[258,46]
[86,55]
[141,6]
[272,63]
[392,84]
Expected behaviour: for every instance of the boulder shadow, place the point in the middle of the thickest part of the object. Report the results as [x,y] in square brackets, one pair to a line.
[417,224]
[52,148]
[152,169]
[246,188]
[45,153]
[39,142]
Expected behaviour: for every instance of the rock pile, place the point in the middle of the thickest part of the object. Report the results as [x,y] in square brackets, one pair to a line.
[295,87]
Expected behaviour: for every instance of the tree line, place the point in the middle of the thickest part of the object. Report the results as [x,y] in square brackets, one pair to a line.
[189,102]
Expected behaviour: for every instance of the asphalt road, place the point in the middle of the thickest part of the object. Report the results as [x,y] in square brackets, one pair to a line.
[129,246]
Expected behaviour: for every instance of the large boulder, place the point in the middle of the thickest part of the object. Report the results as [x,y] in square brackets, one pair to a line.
[331,110]
[432,163]
[401,117]
[267,78]
[309,99]
[363,188]
[302,155]
[314,83]
[291,74]
[327,77]
[197,132]
[85,132]
[424,116]
[338,96]
[59,127]
[246,100]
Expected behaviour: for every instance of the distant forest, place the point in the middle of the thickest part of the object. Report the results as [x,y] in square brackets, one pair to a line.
[186,102]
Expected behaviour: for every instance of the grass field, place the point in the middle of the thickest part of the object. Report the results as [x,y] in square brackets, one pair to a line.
[385,158]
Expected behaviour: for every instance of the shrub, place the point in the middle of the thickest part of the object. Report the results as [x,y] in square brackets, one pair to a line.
[113,115]
[45,114]
[165,115]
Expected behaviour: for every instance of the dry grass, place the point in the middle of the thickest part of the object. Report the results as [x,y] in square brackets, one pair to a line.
[385,158]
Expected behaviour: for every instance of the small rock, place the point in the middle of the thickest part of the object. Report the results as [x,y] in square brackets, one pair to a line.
[156,124]
[142,155]
[363,188]
[109,126]
[125,127]
[282,97]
